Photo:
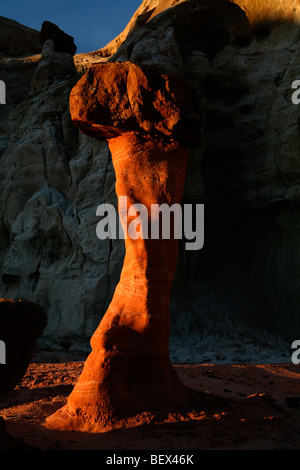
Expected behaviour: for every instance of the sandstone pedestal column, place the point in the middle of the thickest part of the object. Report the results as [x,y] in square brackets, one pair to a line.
[147,118]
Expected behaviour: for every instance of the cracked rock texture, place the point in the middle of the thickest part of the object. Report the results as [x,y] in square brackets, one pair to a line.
[236,299]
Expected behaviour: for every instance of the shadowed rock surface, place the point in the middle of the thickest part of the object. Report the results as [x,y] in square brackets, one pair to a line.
[235,300]
[21,324]
[63,42]
[8,442]
[53,66]
[17,39]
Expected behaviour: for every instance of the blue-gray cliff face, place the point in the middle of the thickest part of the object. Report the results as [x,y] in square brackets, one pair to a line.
[234,299]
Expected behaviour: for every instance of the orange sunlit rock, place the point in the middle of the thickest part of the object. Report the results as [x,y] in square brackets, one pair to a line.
[113,98]
[128,373]
[260,11]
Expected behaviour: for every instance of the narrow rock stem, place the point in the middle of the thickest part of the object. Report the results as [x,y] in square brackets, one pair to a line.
[128,371]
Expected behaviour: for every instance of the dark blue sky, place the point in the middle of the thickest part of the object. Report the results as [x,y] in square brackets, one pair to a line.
[92,23]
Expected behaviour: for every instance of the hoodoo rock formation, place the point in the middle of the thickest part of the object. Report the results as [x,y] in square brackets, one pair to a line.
[147,117]
[235,300]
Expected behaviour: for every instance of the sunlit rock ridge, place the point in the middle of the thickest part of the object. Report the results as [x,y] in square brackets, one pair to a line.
[236,299]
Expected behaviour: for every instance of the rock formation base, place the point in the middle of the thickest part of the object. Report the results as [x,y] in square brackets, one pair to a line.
[128,373]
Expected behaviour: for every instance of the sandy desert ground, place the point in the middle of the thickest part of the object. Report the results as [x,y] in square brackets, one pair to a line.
[253,407]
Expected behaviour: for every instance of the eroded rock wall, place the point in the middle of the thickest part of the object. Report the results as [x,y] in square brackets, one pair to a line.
[243,287]
[52,181]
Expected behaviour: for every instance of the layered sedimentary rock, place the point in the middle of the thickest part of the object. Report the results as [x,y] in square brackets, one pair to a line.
[48,222]
[226,297]
[143,114]
[21,324]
